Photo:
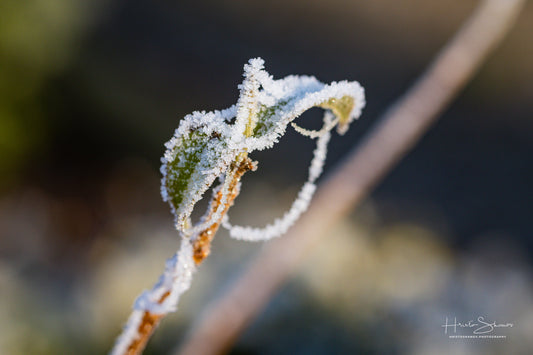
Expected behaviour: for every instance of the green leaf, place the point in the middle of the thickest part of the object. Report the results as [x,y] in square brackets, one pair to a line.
[194,161]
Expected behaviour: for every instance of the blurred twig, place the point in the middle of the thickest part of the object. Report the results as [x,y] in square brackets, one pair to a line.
[395,133]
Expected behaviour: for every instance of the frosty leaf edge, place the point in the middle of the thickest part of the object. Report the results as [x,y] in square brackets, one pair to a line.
[207,143]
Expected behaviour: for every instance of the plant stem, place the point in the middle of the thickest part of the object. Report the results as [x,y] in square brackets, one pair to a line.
[137,340]
[202,245]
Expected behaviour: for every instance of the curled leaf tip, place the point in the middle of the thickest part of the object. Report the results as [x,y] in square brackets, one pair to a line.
[342,108]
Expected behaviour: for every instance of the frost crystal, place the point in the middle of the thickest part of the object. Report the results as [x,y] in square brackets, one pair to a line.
[206,143]
[299,206]
[162,298]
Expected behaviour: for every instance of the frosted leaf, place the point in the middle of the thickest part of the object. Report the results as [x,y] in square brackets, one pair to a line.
[195,156]
[206,143]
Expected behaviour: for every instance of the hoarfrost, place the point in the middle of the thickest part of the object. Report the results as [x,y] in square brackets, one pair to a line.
[299,206]
[163,297]
[206,143]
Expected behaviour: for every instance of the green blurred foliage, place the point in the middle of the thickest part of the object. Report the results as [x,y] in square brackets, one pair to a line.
[37,38]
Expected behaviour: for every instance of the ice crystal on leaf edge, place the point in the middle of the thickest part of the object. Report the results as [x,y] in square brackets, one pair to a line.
[206,143]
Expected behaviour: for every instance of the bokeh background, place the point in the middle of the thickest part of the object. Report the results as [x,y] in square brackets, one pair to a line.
[90,91]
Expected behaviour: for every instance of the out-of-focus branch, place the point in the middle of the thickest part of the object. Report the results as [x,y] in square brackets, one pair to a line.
[394,134]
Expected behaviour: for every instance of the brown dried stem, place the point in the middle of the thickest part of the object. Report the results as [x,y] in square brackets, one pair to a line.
[202,245]
[146,329]
[395,133]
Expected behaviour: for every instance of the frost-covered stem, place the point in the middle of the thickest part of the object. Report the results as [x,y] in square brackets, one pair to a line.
[202,244]
[299,206]
[225,195]
[247,105]
[223,198]
[150,307]
[153,305]
[397,131]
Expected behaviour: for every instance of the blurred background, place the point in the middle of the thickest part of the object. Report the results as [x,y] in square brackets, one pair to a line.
[90,91]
